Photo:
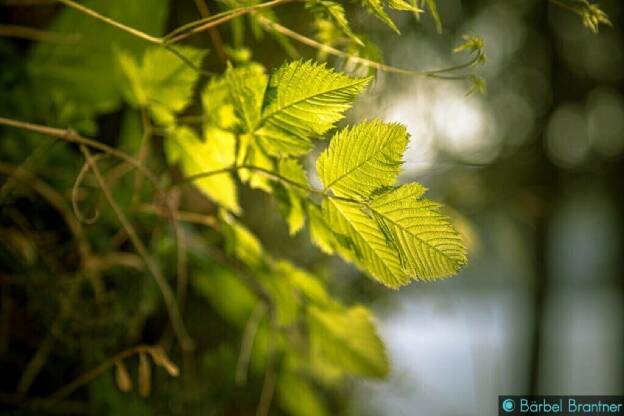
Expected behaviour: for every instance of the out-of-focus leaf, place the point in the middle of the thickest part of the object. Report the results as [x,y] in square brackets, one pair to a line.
[347,339]
[86,70]
[242,243]
[196,156]
[162,81]
[298,397]
[296,191]
[216,281]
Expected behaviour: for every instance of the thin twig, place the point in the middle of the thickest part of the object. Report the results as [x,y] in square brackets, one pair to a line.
[170,302]
[275,175]
[247,341]
[363,61]
[268,386]
[93,373]
[38,35]
[72,137]
[76,189]
[192,28]
[112,22]
[184,216]
[215,36]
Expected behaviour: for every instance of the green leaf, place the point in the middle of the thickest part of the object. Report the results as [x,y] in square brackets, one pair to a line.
[218,105]
[85,70]
[363,158]
[216,280]
[161,82]
[196,156]
[366,245]
[404,5]
[247,86]
[321,234]
[376,8]
[336,12]
[304,99]
[250,153]
[307,284]
[428,245]
[433,9]
[348,340]
[291,170]
[242,243]
[298,397]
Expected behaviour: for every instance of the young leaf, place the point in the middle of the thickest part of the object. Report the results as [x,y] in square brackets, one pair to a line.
[161,82]
[218,105]
[433,9]
[247,87]
[298,397]
[404,5]
[376,8]
[334,11]
[368,247]
[427,243]
[304,99]
[196,156]
[321,234]
[347,339]
[251,153]
[291,170]
[363,158]
[307,284]
[242,243]
[85,70]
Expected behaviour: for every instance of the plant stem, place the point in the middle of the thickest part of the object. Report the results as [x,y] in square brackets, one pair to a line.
[366,62]
[186,343]
[201,25]
[236,168]
[93,373]
[215,36]
[247,342]
[108,20]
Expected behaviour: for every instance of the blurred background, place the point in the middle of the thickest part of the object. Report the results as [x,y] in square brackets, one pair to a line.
[534,170]
[533,174]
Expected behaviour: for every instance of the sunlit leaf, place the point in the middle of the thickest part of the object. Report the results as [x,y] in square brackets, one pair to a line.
[161,81]
[362,158]
[428,244]
[336,12]
[196,156]
[304,99]
[367,246]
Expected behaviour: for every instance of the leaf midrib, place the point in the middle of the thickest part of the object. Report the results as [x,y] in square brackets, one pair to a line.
[405,230]
[398,281]
[268,115]
[359,165]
